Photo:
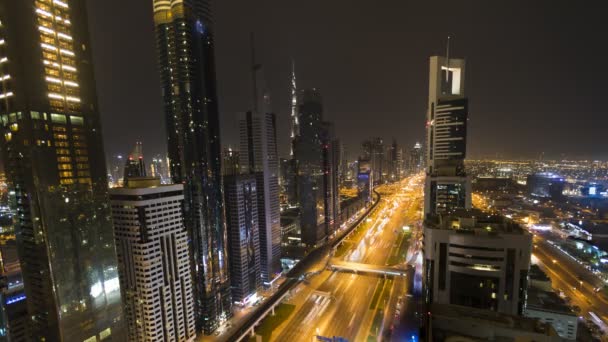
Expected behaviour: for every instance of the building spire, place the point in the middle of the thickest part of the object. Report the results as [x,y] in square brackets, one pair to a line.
[295,126]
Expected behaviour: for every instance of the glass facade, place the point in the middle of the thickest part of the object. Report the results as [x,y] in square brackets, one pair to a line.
[184,33]
[53,155]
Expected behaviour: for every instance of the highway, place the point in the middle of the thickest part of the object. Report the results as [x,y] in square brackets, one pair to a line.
[353,306]
[568,277]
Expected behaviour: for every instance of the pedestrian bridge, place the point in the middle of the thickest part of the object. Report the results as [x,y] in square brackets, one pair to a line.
[391,271]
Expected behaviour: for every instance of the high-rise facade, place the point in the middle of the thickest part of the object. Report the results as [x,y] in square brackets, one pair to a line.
[416,159]
[447,186]
[317,188]
[475,260]
[259,157]
[243,232]
[154,266]
[231,165]
[373,151]
[184,34]
[55,164]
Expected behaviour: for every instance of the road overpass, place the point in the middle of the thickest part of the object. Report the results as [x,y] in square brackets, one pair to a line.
[390,271]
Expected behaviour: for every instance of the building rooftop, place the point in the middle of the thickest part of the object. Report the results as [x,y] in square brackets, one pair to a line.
[473,222]
[477,323]
[537,274]
[540,300]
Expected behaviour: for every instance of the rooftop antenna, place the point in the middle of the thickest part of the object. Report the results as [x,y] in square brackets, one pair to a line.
[447,57]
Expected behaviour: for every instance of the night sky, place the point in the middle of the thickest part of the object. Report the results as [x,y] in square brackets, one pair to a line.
[537,71]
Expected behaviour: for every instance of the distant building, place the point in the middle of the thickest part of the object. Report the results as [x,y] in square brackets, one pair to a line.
[459,323]
[135,166]
[315,182]
[231,165]
[447,186]
[416,159]
[159,169]
[477,261]
[288,182]
[365,181]
[154,266]
[373,150]
[546,185]
[243,233]
[549,308]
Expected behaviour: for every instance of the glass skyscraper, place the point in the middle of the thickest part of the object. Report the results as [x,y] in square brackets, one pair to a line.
[184,33]
[53,155]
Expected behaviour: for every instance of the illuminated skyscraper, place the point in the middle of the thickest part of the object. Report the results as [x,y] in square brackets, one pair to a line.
[184,34]
[447,185]
[295,124]
[54,160]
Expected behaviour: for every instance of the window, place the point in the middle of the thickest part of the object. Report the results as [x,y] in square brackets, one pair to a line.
[77,120]
[58,118]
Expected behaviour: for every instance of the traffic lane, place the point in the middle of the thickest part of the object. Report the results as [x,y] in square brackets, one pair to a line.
[563,280]
[566,260]
[572,275]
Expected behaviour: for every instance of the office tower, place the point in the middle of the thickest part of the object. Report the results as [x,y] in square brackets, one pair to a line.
[331,163]
[258,156]
[243,232]
[289,182]
[135,166]
[153,261]
[373,150]
[476,260]
[416,159]
[116,170]
[365,182]
[314,156]
[231,162]
[158,169]
[393,161]
[184,34]
[447,186]
[54,160]
[14,319]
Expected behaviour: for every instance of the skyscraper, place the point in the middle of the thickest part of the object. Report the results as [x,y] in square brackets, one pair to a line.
[447,186]
[243,232]
[315,182]
[373,150]
[231,164]
[295,124]
[54,160]
[416,159]
[154,266]
[184,34]
[135,166]
[259,157]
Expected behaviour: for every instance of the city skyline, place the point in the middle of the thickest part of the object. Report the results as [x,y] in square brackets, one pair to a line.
[388,81]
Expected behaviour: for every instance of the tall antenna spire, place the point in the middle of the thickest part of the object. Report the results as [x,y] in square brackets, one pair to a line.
[294,105]
[447,58]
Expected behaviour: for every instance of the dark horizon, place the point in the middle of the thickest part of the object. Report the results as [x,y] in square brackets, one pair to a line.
[371,66]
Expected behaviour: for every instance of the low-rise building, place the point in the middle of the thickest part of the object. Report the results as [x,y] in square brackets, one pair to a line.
[459,323]
[551,309]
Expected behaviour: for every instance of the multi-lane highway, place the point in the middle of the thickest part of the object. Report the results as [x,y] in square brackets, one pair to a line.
[358,306]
